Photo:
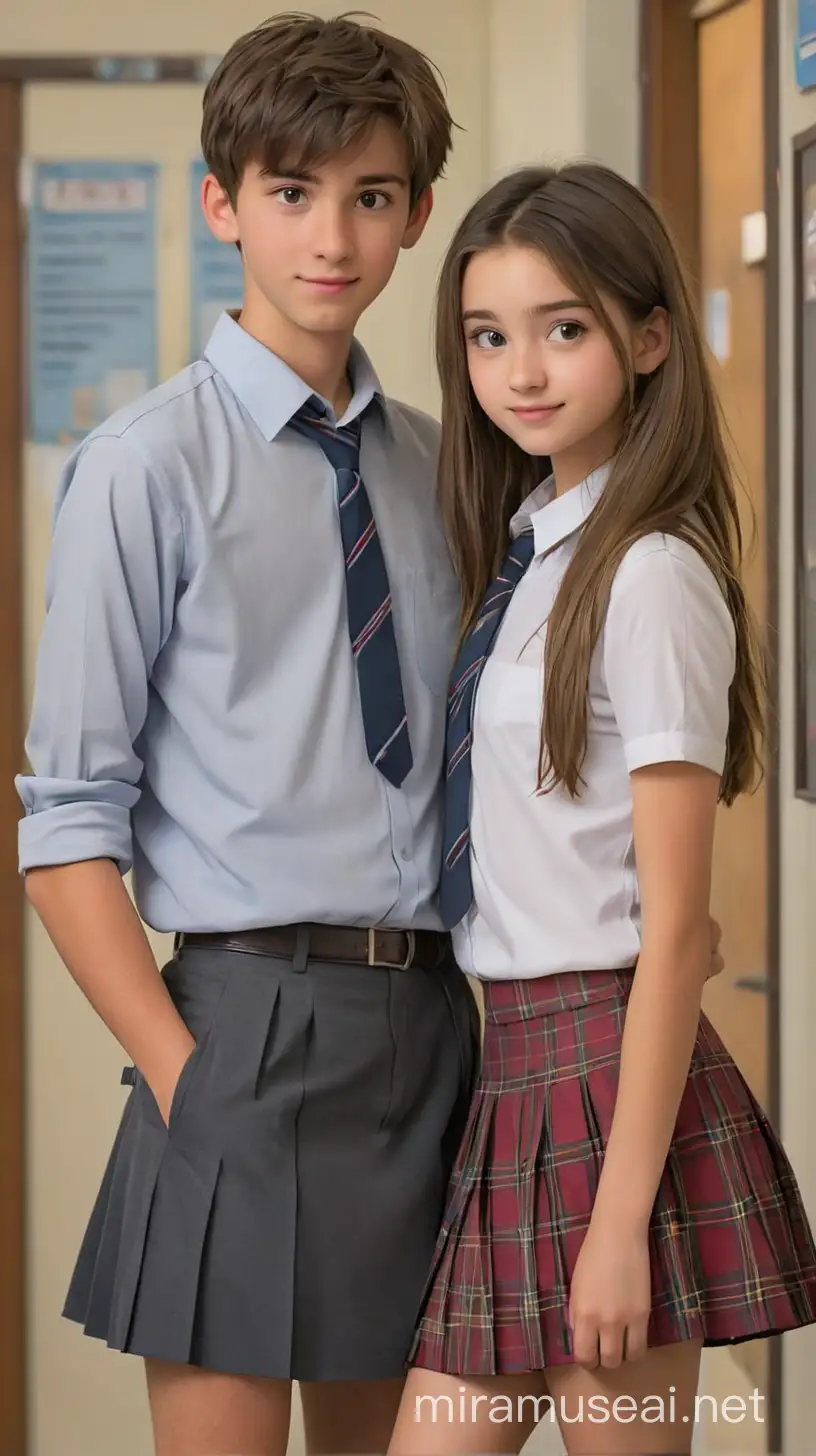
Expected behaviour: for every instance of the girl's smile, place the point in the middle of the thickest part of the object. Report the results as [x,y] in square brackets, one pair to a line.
[535,414]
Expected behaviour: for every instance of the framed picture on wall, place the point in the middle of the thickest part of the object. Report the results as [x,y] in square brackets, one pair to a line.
[805,459]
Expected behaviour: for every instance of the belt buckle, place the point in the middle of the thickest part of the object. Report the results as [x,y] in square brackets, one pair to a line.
[391,965]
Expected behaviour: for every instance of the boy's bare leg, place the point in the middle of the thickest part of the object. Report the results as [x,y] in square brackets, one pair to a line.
[201,1413]
[349,1417]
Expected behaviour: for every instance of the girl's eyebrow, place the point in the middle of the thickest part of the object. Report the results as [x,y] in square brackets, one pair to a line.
[534,311]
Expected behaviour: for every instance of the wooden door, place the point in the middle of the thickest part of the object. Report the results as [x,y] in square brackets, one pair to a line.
[732,299]
[731,188]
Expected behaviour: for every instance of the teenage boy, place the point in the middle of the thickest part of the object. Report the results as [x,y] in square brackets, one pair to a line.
[241,694]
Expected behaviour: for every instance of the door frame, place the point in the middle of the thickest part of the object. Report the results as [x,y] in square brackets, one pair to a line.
[670,173]
[15,73]
[802,142]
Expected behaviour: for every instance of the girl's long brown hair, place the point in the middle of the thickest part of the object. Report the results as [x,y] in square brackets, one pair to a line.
[671,472]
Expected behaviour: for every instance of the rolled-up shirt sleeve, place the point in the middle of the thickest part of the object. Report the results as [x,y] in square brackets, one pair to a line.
[111,587]
[669,654]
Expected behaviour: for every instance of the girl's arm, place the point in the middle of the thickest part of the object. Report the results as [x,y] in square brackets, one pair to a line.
[674,813]
[610,1296]
[668,661]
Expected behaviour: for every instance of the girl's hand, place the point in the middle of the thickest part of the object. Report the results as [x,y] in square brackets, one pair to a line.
[610,1299]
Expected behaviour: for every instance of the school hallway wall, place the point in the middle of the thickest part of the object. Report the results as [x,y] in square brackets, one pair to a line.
[528,80]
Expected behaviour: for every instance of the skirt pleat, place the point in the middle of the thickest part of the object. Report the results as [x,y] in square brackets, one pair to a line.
[95,1273]
[732,1253]
[141,1180]
[172,1265]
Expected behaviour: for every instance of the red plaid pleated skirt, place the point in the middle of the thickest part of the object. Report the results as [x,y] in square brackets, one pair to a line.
[732,1254]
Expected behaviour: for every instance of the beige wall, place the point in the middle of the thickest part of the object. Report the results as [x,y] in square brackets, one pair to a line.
[528,80]
[564,82]
[798,826]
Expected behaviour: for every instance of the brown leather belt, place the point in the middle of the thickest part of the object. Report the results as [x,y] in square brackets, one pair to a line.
[399,950]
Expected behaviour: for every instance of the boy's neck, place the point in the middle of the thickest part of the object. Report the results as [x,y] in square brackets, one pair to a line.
[320,360]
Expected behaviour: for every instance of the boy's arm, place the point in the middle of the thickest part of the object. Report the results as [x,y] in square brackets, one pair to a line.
[115,564]
[94,926]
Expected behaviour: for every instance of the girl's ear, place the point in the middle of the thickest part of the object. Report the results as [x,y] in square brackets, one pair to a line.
[652,340]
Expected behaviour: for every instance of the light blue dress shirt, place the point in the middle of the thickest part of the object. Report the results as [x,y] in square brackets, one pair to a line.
[196,711]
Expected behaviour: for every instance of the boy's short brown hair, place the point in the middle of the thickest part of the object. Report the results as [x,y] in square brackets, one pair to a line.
[298,89]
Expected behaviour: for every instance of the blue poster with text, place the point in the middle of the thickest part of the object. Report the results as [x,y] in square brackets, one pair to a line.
[806,45]
[91,325]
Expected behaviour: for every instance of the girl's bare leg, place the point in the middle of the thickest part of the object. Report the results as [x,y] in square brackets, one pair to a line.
[645,1408]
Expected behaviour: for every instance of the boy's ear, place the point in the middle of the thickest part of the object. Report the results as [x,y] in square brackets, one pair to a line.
[218,211]
[422,209]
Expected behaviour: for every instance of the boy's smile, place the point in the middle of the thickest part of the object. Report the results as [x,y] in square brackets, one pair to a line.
[330,285]
[319,242]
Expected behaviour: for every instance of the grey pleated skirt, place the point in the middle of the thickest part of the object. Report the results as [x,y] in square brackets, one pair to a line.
[283,1224]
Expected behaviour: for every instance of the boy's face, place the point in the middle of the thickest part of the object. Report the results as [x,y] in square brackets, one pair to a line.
[319,246]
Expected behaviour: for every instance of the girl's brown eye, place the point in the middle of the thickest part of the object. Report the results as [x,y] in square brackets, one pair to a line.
[569,332]
[487,339]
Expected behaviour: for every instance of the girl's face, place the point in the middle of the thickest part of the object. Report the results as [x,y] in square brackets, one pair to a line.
[540,363]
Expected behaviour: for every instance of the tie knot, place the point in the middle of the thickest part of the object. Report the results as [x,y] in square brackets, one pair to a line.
[340,445]
[523,548]
[313,411]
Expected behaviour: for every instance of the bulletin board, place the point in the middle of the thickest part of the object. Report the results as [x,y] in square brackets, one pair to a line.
[91,297]
[805,458]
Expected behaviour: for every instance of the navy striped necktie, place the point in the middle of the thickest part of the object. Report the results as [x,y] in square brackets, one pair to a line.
[368,596]
[456,887]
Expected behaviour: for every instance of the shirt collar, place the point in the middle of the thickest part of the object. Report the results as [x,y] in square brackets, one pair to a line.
[554,518]
[269,390]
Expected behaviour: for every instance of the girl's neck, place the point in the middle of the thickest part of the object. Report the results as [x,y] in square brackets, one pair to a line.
[567,480]
[573,466]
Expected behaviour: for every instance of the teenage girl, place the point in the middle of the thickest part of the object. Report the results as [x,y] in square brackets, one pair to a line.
[619,1199]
